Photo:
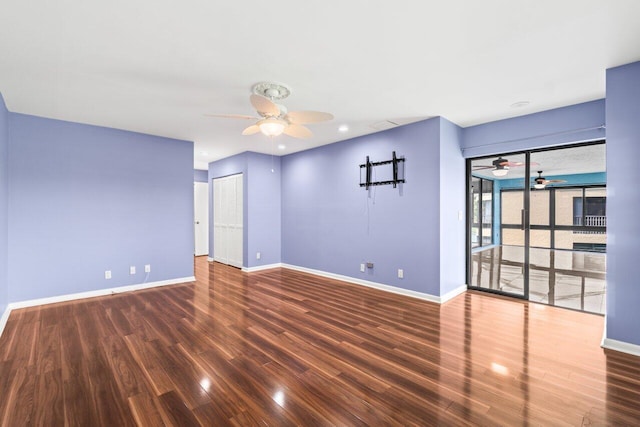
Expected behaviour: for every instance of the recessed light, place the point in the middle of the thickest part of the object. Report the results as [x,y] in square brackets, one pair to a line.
[520,104]
[281,146]
[204,153]
[343,128]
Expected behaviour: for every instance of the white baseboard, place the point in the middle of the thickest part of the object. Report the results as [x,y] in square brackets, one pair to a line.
[261,267]
[380,286]
[4,319]
[209,259]
[621,346]
[98,293]
[452,294]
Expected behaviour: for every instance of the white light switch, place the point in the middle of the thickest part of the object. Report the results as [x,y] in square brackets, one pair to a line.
[400,273]
[362,268]
[132,269]
[107,274]
[147,268]
[460,216]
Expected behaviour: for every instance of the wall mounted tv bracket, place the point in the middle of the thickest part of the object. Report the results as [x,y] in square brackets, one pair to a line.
[398,172]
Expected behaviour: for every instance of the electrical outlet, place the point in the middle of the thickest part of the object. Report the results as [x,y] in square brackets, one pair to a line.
[400,273]
[258,255]
[147,268]
[107,274]
[362,268]
[132,269]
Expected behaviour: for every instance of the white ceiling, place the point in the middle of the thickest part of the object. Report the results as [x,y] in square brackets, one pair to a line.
[158,66]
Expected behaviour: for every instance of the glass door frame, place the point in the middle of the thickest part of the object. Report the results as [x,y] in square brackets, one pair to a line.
[525,223]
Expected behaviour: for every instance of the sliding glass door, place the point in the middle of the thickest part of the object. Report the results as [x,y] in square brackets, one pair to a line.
[498,230]
[537,225]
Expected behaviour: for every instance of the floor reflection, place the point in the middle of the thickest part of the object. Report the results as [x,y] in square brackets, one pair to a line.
[282,347]
[562,278]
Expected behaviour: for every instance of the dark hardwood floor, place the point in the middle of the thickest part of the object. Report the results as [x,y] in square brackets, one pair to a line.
[286,348]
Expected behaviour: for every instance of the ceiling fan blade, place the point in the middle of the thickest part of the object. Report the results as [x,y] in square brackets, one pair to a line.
[551,181]
[251,130]
[304,117]
[264,106]
[233,116]
[518,164]
[298,131]
[481,167]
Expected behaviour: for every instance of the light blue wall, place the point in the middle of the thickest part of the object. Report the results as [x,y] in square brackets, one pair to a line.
[596,178]
[262,204]
[331,224]
[4,209]
[200,175]
[85,199]
[623,203]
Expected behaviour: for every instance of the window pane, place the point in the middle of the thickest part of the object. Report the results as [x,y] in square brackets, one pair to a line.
[540,238]
[487,212]
[539,203]
[475,214]
[511,236]
[568,207]
[591,241]
[595,207]
[512,203]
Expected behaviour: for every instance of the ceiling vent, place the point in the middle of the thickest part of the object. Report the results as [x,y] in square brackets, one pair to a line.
[384,125]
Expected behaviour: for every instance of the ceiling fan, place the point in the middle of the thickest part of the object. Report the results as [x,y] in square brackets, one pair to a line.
[501,166]
[540,182]
[274,119]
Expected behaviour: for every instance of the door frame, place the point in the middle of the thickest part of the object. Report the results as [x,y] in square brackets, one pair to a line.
[204,221]
[525,223]
[526,213]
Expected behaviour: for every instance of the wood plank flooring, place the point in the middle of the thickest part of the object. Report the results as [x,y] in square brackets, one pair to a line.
[286,348]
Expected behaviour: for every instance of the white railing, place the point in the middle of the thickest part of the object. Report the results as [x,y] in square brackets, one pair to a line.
[591,221]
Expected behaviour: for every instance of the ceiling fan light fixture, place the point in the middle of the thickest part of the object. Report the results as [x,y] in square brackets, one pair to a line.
[539,186]
[272,126]
[500,171]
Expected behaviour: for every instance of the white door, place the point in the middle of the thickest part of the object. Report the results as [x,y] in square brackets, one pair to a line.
[227,220]
[201,217]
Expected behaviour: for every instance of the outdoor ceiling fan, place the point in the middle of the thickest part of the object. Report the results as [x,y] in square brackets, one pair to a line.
[274,119]
[501,166]
[540,182]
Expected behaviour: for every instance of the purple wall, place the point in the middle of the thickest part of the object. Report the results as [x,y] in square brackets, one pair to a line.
[4,195]
[200,175]
[452,208]
[85,199]
[264,210]
[262,204]
[623,203]
[333,225]
[580,122]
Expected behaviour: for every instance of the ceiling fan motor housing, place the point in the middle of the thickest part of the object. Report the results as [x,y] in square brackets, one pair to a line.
[272,91]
